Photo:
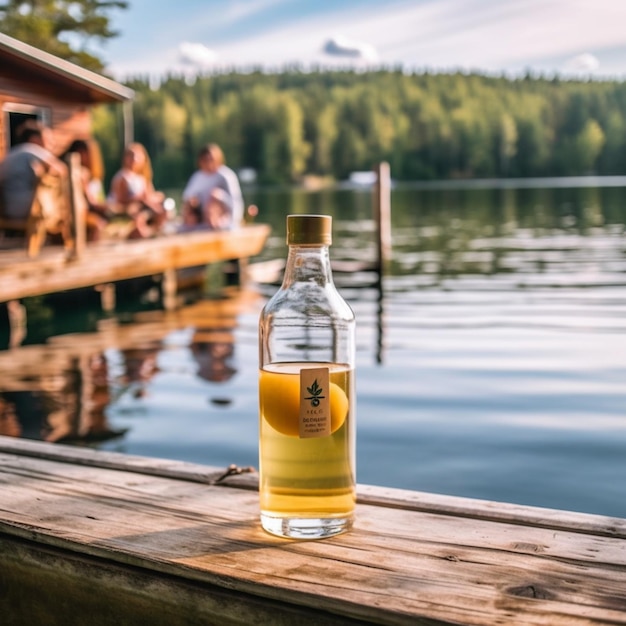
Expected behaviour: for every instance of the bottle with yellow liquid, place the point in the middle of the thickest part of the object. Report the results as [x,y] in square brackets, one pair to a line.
[306,393]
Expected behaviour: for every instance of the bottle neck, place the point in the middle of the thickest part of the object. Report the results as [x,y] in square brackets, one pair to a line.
[308,264]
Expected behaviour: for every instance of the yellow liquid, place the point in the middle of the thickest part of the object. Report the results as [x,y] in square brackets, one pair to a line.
[305,477]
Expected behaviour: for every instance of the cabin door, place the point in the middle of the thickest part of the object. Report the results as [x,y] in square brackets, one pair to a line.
[17,114]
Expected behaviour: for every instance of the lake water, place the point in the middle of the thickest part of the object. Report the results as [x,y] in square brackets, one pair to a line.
[492,365]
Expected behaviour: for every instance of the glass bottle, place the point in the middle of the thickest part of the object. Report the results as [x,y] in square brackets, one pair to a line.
[307,463]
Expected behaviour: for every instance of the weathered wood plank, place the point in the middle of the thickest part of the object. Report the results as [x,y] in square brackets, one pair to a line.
[105,593]
[105,262]
[398,566]
[386,497]
[76,456]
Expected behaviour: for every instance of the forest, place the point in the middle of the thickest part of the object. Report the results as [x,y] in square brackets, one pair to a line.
[327,123]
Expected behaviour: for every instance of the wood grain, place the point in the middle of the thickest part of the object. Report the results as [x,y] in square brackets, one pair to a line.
[400,565]
[105,262]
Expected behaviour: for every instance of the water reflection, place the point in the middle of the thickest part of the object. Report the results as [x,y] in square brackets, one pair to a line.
[9,424]
[459,233]
[215,359]
[67,405]
[61,392]
[139,365]
[491,361]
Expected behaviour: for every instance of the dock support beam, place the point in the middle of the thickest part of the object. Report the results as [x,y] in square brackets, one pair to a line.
[382,215]
[78,206]
[107,297]
[382,220]
[17,322]
[170,289]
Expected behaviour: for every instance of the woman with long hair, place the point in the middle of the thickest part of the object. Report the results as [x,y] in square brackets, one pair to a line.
[132,192]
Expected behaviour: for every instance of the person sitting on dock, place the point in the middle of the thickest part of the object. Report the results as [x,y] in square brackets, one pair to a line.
[212,198]
[92,174]
[22,171]
[132,193]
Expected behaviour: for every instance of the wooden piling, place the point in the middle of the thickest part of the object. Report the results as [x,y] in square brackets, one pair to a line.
[78,206]
[169,289]
[382,216]
[17,322]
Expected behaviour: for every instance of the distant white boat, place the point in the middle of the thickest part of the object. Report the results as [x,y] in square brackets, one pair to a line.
[364,179]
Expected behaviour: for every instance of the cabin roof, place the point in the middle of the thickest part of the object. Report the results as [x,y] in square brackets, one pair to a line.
[85,85]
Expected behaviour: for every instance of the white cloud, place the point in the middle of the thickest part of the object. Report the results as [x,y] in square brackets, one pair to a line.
[473,34]
[488,35]
[585,62]
[340,46]
[477,34]
[197,54]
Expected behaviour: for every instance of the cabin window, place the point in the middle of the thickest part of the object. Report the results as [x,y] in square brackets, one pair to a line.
[17,114]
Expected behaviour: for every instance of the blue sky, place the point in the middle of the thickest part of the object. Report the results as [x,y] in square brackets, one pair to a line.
[566,36]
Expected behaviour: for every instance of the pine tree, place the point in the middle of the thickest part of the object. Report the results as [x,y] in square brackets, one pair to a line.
[61,27]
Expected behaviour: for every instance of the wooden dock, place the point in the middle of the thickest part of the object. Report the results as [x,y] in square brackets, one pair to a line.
[102,538]
[108,262]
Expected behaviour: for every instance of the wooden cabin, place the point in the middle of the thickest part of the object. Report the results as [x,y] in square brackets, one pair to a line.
[37,85]
[60,95]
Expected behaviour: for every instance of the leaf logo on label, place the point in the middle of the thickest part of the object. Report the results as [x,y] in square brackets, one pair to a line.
[316,393]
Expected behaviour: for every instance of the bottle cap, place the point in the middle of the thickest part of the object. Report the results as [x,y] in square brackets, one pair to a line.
[309,230]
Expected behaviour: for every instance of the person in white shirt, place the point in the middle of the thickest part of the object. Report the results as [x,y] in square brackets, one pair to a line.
[212,198]
[22,170]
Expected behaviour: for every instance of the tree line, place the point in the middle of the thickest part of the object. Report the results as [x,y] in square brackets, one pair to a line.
[330,123]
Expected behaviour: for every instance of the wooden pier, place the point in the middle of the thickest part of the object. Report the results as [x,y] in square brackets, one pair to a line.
[108,262]
[102,538]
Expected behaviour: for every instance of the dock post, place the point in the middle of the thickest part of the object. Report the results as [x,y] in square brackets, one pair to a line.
[17,322]
[382,220]
[107,297]
[78,206]
[382,215]
[170,289]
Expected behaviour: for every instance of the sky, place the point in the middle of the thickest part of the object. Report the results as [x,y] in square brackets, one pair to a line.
[565,37]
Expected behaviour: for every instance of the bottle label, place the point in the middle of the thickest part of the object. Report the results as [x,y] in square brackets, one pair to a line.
[315,402]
